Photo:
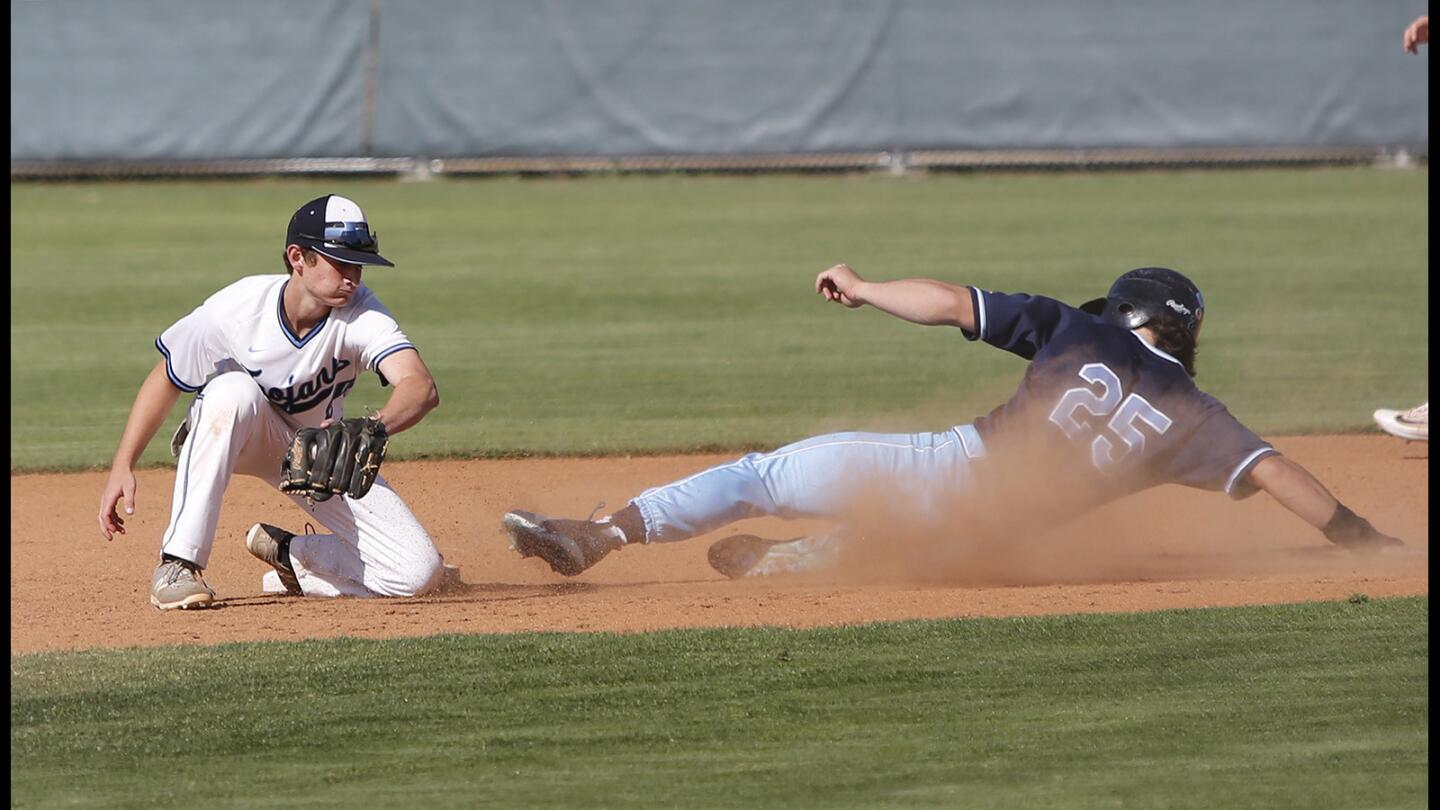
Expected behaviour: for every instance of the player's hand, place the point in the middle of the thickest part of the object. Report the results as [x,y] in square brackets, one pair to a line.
[120,487]
[841,285]
[1417,33]
[1352,532]
[1377,543]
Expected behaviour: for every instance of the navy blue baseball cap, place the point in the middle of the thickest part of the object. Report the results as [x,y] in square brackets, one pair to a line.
[336,227]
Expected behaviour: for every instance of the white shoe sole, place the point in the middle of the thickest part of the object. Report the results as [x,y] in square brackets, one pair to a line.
[194,600]
[515,523]
[1389,421]
[252,537]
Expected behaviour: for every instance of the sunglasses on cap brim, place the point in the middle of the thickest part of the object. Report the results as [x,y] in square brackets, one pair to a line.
[351,235]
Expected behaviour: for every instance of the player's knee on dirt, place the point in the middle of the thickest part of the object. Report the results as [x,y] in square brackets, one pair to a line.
[418,576]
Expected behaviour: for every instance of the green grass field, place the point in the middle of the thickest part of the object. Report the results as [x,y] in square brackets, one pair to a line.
[674,313]
[1321,705]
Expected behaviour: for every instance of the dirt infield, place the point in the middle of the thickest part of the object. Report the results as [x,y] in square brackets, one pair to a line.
[70,589]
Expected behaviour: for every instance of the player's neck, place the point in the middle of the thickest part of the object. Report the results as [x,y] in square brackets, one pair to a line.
[1145,334]
[302,312]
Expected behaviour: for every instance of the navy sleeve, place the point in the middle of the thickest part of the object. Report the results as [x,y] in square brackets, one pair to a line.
[1219,455]
[1018,323]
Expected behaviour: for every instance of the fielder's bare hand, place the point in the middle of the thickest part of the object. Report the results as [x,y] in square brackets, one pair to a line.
[1417,34]
[841,285]
[121,486]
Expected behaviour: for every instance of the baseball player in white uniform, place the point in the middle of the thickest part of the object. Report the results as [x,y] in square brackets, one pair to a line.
[266,356]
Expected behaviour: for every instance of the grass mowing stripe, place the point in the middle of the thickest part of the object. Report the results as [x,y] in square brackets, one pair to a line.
[581,316]
[1313,705]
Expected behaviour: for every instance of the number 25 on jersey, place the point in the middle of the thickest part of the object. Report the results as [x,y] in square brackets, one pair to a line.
[1126,414]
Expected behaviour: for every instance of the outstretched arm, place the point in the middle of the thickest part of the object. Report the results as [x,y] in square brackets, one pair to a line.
[918,300]
[1302,493]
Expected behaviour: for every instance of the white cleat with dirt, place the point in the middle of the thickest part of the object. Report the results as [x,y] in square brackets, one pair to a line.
[1412,425]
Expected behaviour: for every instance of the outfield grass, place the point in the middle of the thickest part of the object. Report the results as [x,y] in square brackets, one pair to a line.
[672,313]
[1320,705]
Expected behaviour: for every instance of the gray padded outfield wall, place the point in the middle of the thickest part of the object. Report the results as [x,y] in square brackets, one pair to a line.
[272,79]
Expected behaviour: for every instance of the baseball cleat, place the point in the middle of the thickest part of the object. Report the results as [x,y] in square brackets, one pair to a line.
[738,555]
[271,545]
[1413,424]
[745,555]
[179,584]
[567,546]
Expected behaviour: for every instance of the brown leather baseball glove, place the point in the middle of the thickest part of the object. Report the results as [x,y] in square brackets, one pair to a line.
[342,458]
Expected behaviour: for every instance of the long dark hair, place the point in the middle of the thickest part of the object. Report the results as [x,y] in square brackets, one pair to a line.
[1175,340]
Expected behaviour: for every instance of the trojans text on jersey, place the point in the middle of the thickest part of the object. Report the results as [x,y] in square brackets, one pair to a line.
[308,394]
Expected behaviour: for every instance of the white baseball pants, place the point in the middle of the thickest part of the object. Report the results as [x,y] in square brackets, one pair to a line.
[833,476]
[376,546]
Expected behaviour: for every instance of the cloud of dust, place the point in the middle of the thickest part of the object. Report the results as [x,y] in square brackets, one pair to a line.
[1018,525]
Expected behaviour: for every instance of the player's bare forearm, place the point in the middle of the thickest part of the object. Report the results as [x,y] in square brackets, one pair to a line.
[1295,488]
[411,400]
[414,393]
[923,301]
[1300,492]
[919,300]
[153,403]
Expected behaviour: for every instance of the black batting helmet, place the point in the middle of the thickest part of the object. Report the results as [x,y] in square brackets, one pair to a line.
[1147,294]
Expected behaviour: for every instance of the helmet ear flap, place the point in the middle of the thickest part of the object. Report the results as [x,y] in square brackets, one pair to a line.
[1126,314]
[1120,311]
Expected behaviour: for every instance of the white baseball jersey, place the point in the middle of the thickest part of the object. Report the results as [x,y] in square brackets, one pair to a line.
[243,327]
[237,348]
